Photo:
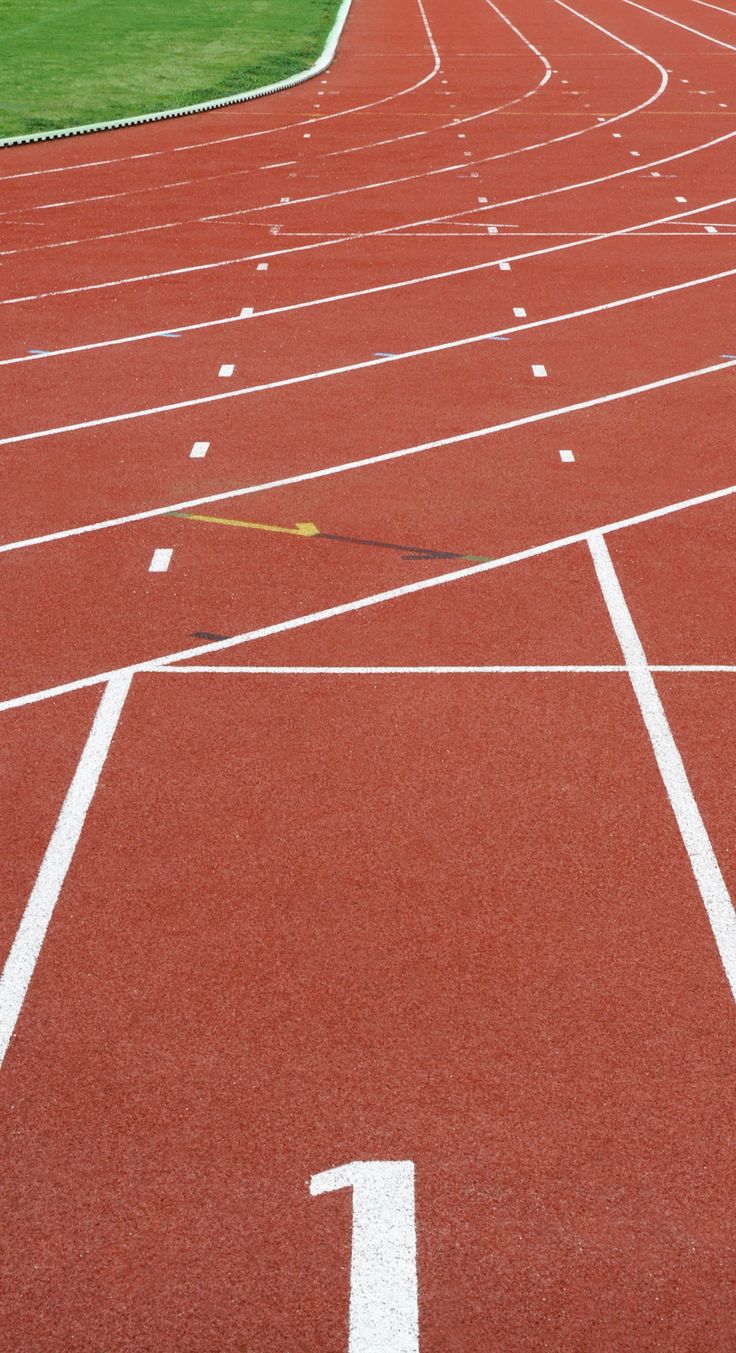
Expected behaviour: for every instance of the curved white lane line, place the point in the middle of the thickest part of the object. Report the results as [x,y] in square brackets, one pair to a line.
[363,187]
[461,121]
[225,495]
[667,18]
[465,164]
[350,150]
[531,552]
[578,242]
[246,136]
[371,234]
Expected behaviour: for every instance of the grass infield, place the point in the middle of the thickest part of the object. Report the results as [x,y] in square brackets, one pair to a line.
[69,62]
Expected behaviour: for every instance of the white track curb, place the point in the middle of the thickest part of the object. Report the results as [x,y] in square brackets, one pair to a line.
[328,53]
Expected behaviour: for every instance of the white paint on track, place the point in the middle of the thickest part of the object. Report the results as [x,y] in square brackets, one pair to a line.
[26,947]
[531,552]
[381,458]
[155,334]
[667,18]
[693,831]
[359,188]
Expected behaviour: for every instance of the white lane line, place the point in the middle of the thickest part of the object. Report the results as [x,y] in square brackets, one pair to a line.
[707,37]
[266,131]
[26,947]
[496,669]
[567,456]
[531,552]
[227,369]
[538,369]
[199,450]
[444,169]
[330,372]
[707,5]
[693,831]
[347,466]
[591,669]
[160,561]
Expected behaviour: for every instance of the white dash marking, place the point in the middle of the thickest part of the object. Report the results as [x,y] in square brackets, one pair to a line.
[262,267]
[519,312]
[693,831]
[160,561]
[539,369]
[492,230]
[483,200]
[505,266]
[616,136]
[680,199]
[711,230]
[199,450]
[26,947]
[636,154]
[226,369]
[567,455]
[246,311]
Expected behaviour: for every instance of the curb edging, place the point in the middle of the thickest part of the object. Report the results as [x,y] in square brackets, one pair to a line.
[326,58]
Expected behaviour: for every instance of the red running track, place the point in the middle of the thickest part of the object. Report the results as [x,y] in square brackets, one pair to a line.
[404,832]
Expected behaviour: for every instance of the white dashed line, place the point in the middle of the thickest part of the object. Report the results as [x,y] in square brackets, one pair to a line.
[227,369]
[160,561]
[567,456]
[519,312]
[538,369]
[199,450]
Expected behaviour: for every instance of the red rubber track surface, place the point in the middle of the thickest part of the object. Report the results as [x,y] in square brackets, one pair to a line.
[325,894]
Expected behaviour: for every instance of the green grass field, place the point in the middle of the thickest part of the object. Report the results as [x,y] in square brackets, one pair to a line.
[68,62]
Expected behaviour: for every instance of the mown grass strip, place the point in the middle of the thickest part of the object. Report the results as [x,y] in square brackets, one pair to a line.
[72,62]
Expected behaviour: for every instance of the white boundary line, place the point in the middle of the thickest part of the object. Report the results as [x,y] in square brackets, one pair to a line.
[26,947]
[693,831]
[300,77]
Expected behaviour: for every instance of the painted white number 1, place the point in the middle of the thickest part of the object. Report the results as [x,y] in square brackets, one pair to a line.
[384,1308]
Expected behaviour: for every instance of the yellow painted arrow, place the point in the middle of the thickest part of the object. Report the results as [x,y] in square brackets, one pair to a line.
[302,528]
